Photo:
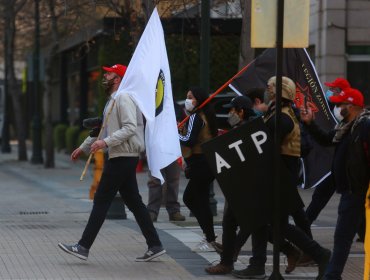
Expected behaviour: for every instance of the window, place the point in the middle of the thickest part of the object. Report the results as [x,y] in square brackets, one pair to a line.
[358,73]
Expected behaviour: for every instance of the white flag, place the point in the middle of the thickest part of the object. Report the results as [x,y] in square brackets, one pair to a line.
[148,81]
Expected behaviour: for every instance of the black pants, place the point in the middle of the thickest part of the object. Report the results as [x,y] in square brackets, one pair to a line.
[232,242]
[196,194]
[301,221]
[299,238]
[320,197]
[119,174]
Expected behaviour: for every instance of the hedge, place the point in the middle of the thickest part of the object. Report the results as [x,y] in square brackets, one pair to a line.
[59,134]
[71,138]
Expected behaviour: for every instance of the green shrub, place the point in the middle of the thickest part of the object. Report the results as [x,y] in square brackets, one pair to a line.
[82,136]
[59,134]
[71,138]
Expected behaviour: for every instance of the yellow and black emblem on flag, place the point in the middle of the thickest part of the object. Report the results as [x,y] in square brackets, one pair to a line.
[159,93]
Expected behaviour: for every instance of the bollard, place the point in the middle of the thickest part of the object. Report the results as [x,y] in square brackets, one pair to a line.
[117,209]
[140,166]
[98,170]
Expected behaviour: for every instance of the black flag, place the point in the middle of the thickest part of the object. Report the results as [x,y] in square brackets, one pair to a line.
[241,162]
[298,66]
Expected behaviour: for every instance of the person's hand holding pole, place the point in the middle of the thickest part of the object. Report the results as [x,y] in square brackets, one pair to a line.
[97,145]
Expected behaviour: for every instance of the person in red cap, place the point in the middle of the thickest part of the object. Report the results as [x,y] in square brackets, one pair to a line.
[119,69]
[336,87]
[325,190]
[350,169]
[123,138]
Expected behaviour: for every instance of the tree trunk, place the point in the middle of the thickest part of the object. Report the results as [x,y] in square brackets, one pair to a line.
[246,52]
[148,7]
[5,135]
[49,140]
[14,89]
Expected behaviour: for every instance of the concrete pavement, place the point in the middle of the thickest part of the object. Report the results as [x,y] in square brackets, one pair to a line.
[40,207]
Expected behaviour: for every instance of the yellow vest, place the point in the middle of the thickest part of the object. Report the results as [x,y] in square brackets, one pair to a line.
[291,144]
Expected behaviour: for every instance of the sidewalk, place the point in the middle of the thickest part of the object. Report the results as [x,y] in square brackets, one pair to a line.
[40,207]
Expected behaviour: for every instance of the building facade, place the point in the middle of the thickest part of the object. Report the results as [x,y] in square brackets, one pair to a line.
[340,41]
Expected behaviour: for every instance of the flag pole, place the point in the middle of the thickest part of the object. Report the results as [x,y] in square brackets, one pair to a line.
[275,275]
[216,92]
[99,135]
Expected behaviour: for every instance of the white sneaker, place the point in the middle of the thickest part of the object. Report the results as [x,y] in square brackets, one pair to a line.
[205,246]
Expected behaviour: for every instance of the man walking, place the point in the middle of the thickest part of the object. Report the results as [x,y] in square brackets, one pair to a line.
[123,137]
[350,169]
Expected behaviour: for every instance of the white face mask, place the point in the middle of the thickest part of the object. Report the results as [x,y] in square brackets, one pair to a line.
[189,105]
[233,119]
[337,113]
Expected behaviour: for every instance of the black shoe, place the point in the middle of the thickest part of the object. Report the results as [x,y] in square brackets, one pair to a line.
[323,263]
[251,272]
[152,253]
[75,250]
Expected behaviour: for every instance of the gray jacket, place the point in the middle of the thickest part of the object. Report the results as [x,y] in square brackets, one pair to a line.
[124,129]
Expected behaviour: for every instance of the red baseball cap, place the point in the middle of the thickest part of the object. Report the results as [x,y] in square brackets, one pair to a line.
[349,95]
[339,83]
[119,69]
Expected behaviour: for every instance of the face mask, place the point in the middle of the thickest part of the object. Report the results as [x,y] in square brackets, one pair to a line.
[233,119]
[328,93]
[258,113]
[189,105]
[337,113]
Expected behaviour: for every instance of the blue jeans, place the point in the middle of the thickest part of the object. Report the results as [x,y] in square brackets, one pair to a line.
[350,214]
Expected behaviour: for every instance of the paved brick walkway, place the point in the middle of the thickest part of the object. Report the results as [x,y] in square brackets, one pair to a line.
[40,207]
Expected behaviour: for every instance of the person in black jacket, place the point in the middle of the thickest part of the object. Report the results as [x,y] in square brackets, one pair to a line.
[290,151]
[325,190]
[350,169]
[200,127]
[241,111]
